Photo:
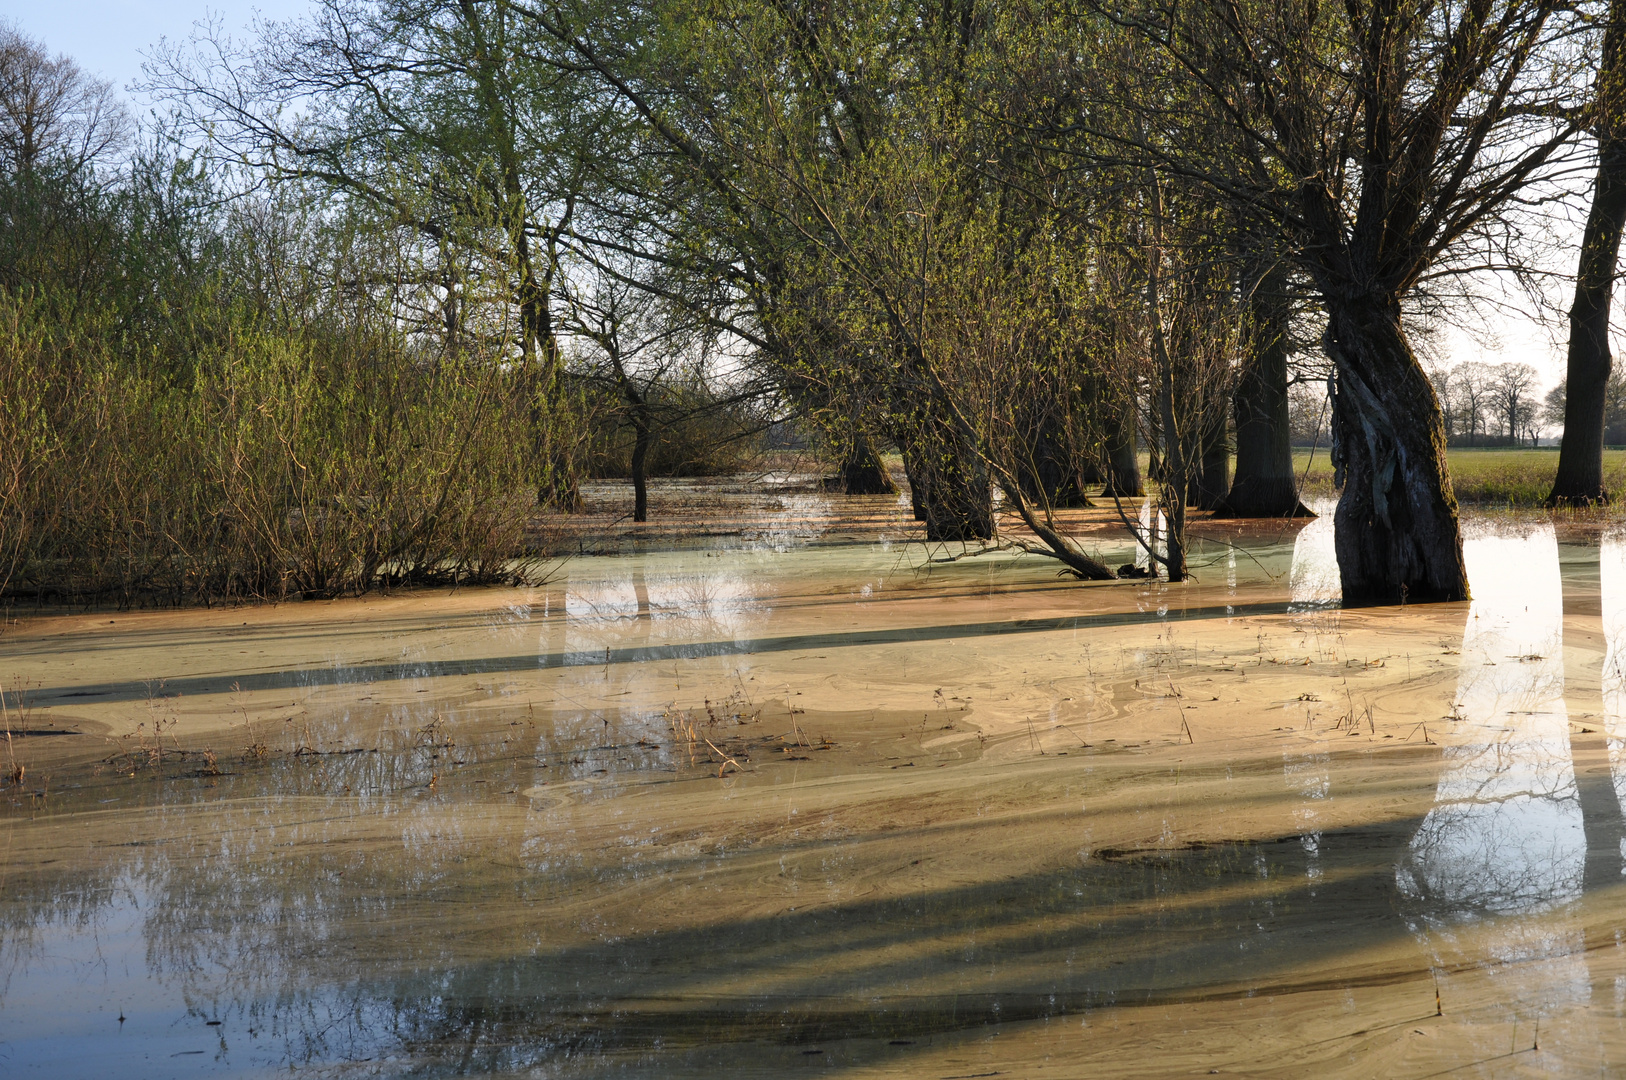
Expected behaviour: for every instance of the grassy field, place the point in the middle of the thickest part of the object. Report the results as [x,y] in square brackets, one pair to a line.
[1490,477]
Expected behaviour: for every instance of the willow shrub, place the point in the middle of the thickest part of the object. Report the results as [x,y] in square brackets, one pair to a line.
[281,465]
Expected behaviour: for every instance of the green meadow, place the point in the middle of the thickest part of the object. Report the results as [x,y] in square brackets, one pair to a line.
[1496,476]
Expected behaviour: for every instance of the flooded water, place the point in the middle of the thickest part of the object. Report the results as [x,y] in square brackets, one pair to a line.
[822,802]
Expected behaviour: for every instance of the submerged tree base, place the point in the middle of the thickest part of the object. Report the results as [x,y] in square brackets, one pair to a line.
[1555,501]
[1397,530]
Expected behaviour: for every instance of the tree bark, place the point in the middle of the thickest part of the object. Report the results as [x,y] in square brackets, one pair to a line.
[1123,463]
[1264,485]
[1396,530]
[1580,458]
[1211,480]
[917,479]
[862,470]
[640,478]
[643,424]
[958,506]
[1050,476]
[1174,477]
[1172,485]
[950,486]
[1082,565]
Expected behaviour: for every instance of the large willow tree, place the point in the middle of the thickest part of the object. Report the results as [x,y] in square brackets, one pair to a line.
[1383,141]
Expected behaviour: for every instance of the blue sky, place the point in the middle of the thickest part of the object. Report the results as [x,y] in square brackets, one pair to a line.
[108,37]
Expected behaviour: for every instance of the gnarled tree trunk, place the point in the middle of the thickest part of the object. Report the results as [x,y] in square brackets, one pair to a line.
[1396,530]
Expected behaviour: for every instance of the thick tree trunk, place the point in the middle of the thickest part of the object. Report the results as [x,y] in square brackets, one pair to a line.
[1051,476]
[1580,459]
[1122,464]
[917,480]
[1211,479]
[1177,474]
[1396,530]
[959,507]
[1174,544]
[1264,485]
[949,486]
[862,470]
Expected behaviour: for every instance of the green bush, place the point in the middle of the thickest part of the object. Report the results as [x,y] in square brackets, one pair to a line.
[304,464]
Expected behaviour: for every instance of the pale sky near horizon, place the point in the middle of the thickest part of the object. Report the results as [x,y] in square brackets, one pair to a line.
[109,38]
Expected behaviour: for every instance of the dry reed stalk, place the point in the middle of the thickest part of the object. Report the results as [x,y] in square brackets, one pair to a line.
[727,761]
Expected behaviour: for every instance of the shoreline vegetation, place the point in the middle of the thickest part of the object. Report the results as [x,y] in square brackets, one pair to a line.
[197,499]
[339,316]
[274,465]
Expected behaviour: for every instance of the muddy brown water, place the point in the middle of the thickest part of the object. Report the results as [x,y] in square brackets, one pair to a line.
[806,802]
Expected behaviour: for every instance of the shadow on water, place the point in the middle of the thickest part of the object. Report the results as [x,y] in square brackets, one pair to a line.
[374,912]
[598,657]
[1200,922]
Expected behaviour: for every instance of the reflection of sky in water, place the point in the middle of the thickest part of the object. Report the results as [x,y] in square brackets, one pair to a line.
[1313,581]
[1612,582]
[79,988]
[802,519]
[1307,776]
[1142,559]
[1505,834]
[717,602]
[173,948]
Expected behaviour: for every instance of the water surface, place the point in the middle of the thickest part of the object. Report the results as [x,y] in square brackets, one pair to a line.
[844,806]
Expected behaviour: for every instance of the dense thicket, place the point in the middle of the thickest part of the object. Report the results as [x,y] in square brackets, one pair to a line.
[202,402]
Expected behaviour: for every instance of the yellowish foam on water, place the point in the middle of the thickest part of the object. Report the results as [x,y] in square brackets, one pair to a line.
[793,805]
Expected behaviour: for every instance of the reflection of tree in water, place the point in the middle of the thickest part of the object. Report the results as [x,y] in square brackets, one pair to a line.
[1496,870]
[1313,581]
[492,939]
[1505,835]
[647,607]
[1612,587]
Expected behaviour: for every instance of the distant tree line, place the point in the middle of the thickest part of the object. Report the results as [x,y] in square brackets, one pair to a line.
[1490,404]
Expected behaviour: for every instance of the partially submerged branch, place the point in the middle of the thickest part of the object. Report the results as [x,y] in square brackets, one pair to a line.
[1056,546]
